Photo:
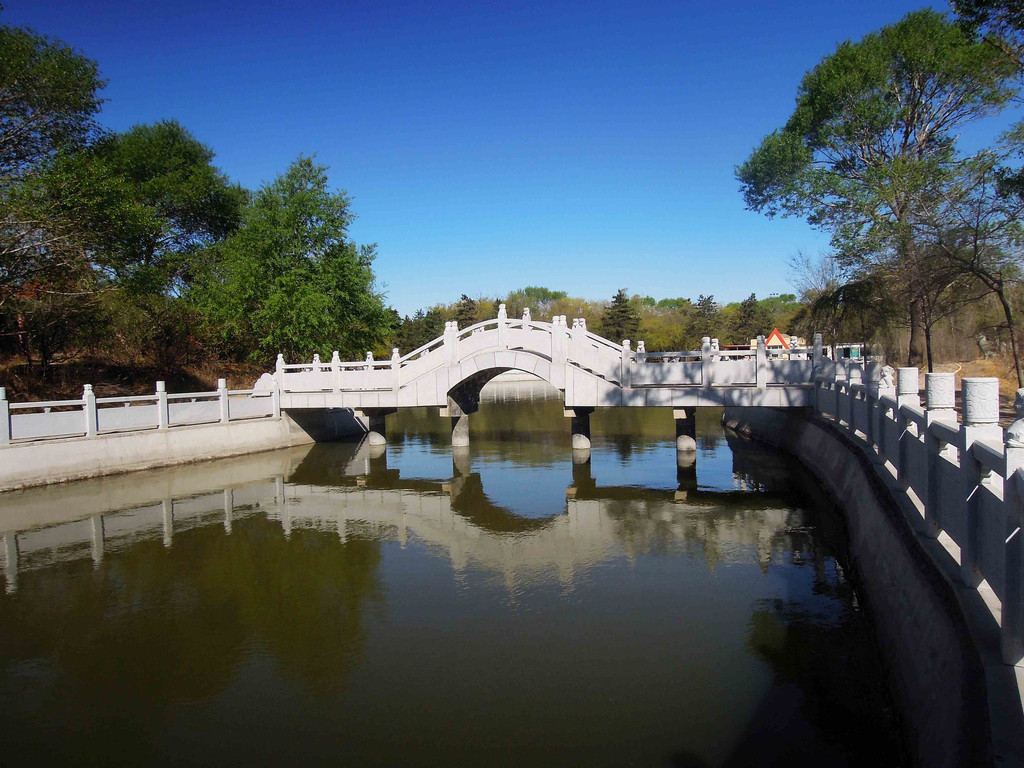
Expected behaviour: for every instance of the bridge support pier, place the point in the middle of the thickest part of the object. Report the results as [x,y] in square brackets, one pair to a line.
[686,429]
[459,412]
[376,422]
[580,428]
[686,473]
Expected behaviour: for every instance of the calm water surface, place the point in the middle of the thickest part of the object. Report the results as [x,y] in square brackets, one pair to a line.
[501,606]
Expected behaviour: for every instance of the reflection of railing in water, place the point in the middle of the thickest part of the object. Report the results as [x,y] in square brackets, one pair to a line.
[596,521]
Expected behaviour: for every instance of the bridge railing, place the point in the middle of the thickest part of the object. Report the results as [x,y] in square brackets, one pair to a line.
[91,416]
[965,479]
[562,344]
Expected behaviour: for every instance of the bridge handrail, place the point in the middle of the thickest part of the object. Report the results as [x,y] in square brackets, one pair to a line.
[47,404]
[430,346]
[974,494]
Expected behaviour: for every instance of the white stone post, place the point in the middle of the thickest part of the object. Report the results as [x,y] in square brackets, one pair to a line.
[91,414]
[887,388]
[502,327]
[624,368]
[279,366]
[816,373]
[335,371]
[981,422]
[761,364]
[5,418]
[1012,617]
[908,388]
[451,343]
[940,402]
[275,397]
[222,397]
[706,364]
[396,363]
[527,320]
[872,375]
[163,414]
[558,349]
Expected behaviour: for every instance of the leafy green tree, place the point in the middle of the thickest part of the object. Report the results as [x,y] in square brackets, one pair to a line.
[465,311]
[704,316]
[182,204]
[873,132]
[999,22]
[621,319]
[752,319]
[290,279]
[49,99]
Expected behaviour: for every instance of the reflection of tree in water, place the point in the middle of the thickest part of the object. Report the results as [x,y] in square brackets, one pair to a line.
[846,701]
[155,628]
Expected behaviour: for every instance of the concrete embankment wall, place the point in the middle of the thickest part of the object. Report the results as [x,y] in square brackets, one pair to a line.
[25,465]
[939,678]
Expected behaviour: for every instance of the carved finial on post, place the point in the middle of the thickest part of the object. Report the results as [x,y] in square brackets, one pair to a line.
[502,313]
[526,315]
[583,323]
[394,355]
[641,348]
[280,363]
[793,342]
[335,357]
[888,385]
[316,358]
[1015,433]
[575,323]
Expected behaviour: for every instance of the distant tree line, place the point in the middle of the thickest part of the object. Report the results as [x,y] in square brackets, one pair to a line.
[673,324]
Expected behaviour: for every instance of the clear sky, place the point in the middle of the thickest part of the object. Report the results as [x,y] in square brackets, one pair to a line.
[583,146]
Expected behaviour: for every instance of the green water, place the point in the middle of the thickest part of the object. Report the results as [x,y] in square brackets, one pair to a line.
[501,606]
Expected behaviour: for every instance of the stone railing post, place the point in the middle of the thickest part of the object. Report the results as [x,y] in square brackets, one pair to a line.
[886,388]
[1012,617]
[761,364]
[981,422]
[502,327]
[625,377]
[816,370]
[163,414]
[275,397]
[5,418]
[222,397]
[89,409]
[451,343]
[527,320]
[940,404]
[908,388]
[335,371]
[396,363]
[872,380]
[558,349]
[706,363]
[279,369]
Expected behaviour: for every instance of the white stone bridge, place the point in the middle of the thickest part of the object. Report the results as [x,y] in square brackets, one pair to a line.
[589,370]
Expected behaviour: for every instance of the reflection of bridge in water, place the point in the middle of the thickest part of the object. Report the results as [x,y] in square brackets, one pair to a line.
[312,488]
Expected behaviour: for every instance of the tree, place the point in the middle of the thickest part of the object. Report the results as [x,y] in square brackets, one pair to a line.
[465,311]
[872,134]
[621,320]
[752,319]
[49,98]
[999,22]
[705,316]
[182,204]
[290,279]
[977,231]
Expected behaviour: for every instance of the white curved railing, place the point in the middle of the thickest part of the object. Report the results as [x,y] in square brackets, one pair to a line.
[965,479]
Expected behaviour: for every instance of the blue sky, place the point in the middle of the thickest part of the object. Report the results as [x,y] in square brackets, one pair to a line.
[584,146]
